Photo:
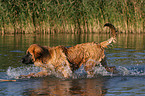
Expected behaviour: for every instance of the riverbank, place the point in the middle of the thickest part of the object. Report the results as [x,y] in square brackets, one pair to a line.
[73,16]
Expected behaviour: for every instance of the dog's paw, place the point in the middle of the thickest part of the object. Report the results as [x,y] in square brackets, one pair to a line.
[25,76]
[22,77]
[112,69]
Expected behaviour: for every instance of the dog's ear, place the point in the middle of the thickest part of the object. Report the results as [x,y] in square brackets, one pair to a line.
[36,51]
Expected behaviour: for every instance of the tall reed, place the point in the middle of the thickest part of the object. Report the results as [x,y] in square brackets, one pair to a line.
[70,16]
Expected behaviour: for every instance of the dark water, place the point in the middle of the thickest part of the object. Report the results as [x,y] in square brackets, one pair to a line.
[128,55]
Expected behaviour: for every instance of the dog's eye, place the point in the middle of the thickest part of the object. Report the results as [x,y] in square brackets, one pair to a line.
[29,54]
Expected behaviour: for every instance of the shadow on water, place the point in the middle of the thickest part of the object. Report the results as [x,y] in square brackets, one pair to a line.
[127,55]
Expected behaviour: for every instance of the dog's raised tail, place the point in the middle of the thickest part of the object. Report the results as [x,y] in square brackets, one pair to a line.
[113,30]
[113,38]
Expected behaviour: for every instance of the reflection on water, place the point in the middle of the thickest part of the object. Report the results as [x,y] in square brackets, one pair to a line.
[56,87]
[128,55]
[135,41]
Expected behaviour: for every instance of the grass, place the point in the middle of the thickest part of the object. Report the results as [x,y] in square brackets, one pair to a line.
[70,16]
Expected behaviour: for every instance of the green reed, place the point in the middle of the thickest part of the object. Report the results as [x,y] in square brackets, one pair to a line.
[70,16]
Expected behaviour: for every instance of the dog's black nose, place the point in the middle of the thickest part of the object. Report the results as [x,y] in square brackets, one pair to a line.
[27,60]
[23,60]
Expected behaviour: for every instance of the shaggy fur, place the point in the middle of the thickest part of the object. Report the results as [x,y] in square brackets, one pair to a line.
[91,54]
[66,60]
[52,58]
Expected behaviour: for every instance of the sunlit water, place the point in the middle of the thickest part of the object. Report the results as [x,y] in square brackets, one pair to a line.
[128,55]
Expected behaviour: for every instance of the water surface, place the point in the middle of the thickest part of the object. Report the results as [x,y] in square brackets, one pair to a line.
[128,55]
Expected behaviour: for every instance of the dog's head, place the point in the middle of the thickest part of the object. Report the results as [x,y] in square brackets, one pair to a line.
[34,52]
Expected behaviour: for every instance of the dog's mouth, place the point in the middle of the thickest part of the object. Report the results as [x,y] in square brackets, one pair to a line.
[27,59]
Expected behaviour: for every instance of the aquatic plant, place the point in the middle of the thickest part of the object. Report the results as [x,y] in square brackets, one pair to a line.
[70,16]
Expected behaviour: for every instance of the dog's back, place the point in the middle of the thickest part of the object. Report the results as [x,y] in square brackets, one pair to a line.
[79,54]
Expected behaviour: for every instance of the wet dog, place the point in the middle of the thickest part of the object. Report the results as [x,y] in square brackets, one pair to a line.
[66,60]
[49,58]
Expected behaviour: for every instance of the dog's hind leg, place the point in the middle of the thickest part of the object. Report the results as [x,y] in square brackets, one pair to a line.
[111,69]
[89,67]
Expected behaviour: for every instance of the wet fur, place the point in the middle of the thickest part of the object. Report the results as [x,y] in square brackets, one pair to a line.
[91,54]
[52,58]
[61,58]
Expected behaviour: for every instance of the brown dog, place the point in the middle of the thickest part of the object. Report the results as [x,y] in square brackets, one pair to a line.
[52,58]
[65,60]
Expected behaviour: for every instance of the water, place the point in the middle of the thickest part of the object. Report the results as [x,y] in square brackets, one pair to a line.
[128,55]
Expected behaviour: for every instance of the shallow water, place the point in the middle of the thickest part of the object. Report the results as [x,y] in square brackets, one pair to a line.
[128,55]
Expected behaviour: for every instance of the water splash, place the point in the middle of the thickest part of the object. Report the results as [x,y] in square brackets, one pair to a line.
[131,71]
[24,70]
[123,71]
[80,73]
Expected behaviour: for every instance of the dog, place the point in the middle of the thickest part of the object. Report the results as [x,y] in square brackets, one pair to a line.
[52,58]
[65,60]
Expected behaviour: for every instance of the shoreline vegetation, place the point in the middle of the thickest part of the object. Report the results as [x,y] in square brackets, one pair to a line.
[70,16]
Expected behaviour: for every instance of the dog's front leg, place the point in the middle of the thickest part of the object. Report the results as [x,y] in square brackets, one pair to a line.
[90,74]
[89,67]
[25,76]
[39,74]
